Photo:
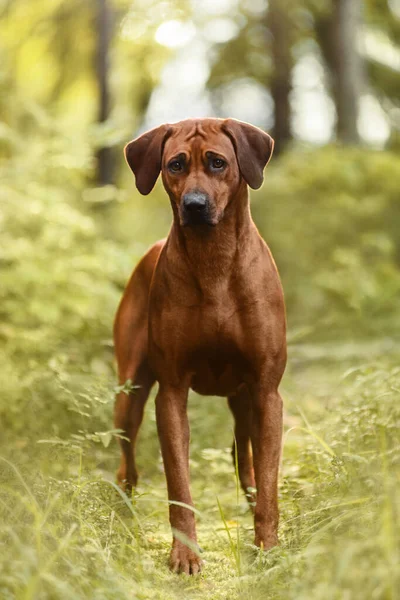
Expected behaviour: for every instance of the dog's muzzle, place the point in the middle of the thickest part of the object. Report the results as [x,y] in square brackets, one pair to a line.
[196,209]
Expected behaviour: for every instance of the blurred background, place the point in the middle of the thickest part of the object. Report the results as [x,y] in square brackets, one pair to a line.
[78,80]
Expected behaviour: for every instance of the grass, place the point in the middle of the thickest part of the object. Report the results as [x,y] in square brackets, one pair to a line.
[67,532]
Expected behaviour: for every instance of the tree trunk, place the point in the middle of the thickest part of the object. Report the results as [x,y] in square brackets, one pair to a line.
[337,36]
[104,155]
[281,30]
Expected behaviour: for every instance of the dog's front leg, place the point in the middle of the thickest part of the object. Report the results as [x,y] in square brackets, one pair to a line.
[266,438]
[173,431]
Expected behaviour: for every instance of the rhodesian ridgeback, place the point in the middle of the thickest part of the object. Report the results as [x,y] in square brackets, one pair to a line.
[204,310]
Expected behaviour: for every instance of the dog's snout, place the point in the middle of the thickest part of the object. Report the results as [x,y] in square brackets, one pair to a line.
[196,209]
[195,202]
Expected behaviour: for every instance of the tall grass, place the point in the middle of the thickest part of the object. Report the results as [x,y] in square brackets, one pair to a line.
[68,532]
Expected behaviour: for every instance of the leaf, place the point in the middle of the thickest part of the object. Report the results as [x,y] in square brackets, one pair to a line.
[105,438]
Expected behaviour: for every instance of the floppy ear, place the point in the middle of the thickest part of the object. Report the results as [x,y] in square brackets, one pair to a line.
[253,149]
[144,155]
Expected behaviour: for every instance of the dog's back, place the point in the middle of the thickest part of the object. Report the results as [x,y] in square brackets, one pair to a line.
[131,350]
[131,321]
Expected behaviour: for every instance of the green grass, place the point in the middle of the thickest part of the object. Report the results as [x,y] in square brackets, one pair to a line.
[66,532]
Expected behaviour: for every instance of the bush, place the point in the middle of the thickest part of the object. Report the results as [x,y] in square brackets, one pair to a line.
[331,218]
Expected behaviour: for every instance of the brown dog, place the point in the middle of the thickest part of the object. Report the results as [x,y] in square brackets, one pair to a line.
[204,310]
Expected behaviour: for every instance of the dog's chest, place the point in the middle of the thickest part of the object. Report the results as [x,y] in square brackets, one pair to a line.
[217,353]
[216,324]
[218,375]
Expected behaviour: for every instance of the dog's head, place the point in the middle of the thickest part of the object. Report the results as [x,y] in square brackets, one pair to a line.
[203,163]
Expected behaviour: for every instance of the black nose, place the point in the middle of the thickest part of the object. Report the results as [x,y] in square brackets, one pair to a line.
[195,202]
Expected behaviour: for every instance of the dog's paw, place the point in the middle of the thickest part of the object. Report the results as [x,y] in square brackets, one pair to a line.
[183,560]
[127,481]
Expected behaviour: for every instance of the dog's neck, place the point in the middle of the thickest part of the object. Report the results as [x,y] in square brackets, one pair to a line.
[210,252]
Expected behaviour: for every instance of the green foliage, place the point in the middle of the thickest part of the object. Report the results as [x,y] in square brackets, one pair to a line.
[330,217]
[382,15]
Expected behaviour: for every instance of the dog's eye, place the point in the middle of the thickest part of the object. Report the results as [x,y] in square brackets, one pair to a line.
[175,166]
[217,163]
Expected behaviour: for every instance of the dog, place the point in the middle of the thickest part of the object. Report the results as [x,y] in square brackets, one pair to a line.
[204,310]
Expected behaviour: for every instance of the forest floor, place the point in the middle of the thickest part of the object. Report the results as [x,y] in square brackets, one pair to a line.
[66,532]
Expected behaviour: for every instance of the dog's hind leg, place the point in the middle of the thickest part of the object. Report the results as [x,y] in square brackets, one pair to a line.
[128,416]
[131,343]
[240,406]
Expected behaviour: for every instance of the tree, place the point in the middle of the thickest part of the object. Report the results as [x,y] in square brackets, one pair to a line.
[262,51]
[278,21]
[104,24]
[336,32]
